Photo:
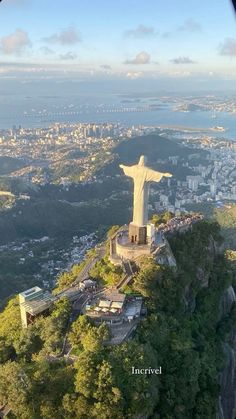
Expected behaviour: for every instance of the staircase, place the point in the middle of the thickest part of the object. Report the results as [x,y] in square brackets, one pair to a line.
[129,273]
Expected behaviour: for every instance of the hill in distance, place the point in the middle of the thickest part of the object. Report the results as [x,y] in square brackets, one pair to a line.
[10,164]
[155,147]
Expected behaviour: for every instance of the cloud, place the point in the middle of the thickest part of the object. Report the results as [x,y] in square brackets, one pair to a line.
[166,34]
[68,56]
[182,60]
[46,51]
[105,66]
[15,43]
[142,58]
[141,31]
[190,25]
[134,75]
[67,36]
[180,74]
[228,47]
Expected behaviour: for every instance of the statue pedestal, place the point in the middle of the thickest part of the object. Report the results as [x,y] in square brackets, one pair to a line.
[137,234]
[157,247]
[121,247]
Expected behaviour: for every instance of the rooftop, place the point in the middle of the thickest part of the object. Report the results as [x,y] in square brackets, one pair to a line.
[113,295]
[31,292]
[37,305]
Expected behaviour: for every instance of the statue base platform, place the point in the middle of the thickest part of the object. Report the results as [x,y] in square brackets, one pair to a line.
[122,248]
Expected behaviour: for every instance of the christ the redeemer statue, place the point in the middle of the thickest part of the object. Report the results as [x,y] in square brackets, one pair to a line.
[142,175]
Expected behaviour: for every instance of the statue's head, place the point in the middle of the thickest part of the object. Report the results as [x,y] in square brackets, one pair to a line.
[142,161]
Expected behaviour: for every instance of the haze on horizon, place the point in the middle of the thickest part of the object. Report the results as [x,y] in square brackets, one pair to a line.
[120,47]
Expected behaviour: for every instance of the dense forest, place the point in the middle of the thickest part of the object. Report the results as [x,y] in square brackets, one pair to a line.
[226,217]
[183,333]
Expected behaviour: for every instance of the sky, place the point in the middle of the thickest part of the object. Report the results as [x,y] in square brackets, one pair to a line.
[145,40]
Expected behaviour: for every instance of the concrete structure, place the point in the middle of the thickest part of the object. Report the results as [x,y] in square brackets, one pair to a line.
[133,309]
[116,309]
[124,248]
[32,303]
[108,306]
[142,176]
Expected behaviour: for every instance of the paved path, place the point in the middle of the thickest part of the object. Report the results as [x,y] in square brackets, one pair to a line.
[73,292]
[122,332]
[101,251]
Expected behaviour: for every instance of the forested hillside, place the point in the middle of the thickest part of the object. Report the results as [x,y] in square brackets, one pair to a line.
[183,333]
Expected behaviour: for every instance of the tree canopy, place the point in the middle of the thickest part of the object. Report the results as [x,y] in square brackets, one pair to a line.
[183,333]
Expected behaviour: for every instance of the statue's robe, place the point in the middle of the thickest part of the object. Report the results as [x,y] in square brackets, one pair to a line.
[142,176]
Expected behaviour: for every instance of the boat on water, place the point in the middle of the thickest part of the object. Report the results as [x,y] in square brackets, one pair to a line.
[218,128]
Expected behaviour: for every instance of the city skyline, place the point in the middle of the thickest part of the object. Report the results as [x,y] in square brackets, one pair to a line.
[131,40]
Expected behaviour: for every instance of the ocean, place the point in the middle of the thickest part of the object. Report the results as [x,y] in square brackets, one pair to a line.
[41,111]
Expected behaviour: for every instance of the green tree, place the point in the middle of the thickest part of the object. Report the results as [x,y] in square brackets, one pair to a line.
[77,406]
[10,322]
[28,343]
[6,351]
[84,334]
[15,390]
[51,381]
[52,328]
[109,400]
[62,311]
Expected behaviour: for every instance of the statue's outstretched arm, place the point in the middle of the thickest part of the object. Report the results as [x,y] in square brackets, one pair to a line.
[128,170]
[153,176]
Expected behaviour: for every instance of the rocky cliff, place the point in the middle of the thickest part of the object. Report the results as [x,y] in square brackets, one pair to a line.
[227,379]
